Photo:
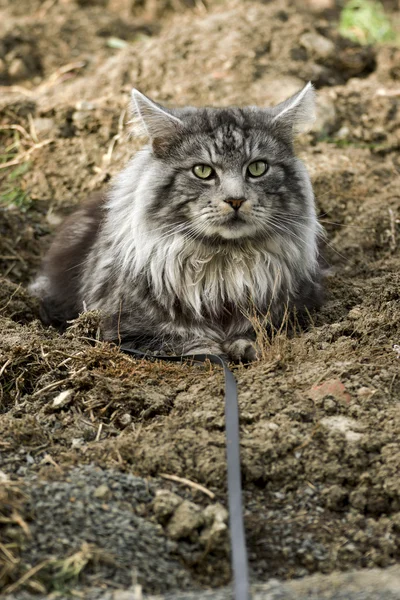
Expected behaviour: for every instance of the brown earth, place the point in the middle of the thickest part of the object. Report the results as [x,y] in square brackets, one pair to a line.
[86,434]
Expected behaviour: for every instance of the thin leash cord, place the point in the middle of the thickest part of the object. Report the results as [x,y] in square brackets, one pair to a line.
[236,524]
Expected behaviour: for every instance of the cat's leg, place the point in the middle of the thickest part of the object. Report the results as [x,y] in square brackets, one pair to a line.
[202,346]
[166,337]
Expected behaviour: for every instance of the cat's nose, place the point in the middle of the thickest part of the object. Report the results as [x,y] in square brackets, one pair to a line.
[236,203]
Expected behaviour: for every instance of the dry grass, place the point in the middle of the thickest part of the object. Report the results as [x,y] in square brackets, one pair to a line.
[12,527]
[274,340]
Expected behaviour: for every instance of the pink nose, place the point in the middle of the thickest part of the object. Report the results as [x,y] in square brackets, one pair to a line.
[236,203]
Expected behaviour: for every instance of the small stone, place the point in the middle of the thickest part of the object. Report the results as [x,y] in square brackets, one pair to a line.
[365,392]
[77,442]
[125,419]
[53,219]
[164,505]
[84,105]
[342,134]
[18,69]
[215,512]
[62,399]
[344,425]
[43,126]
[185,522]
[332,388]
[317,45]
[102,492]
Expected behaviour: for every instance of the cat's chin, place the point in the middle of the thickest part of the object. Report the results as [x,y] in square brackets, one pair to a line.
[234,231]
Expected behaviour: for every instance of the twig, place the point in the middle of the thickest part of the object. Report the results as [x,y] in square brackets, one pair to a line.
[10,298]
[19,159]
[48,459]
[4,367]
[51,386]
[63,70]
[16,517]
[10,557]
[192,484]
[97,438]
[17,128]
[392,243]
[390,93]
[14,586]
[16,89]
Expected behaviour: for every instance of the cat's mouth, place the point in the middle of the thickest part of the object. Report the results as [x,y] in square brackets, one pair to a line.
[234,226]
[234,220]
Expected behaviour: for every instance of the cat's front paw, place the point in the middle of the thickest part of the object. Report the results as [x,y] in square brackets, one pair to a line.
[241,350]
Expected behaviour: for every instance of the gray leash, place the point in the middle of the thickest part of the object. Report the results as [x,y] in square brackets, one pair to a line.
[236,525]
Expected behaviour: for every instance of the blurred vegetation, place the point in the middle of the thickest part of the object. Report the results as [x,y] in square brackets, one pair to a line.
[12,185]
[13,192]
[365,22]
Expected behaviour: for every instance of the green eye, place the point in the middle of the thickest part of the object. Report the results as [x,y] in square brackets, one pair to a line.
[203,171]
[256,169]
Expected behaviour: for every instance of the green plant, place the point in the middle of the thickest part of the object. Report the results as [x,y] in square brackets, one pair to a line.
[13,193]
[365,22]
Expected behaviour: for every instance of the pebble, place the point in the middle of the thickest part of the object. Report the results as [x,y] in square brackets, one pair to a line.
[164,505]
[332,388]
[84,105]
[102,492]
[186,520]
[317,45]
[54,219]
[125,420]
[18,69]
[43,126]
[342,134]
[62,399]
[345,426]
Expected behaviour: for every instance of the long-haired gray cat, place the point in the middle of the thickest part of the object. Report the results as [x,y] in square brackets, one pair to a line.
[212,220]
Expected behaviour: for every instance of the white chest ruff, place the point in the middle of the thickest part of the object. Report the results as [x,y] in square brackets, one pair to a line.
[204,281]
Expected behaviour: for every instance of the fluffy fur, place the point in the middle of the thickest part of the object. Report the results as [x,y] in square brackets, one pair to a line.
[167,257]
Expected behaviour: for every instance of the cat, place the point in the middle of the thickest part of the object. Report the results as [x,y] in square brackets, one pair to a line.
[212,221]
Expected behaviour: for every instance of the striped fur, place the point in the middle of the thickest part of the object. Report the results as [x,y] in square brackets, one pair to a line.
[170,263]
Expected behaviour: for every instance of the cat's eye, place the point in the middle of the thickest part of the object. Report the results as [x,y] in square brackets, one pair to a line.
[257,168]
[203,171]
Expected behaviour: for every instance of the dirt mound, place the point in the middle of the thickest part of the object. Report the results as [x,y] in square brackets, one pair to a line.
[88,434]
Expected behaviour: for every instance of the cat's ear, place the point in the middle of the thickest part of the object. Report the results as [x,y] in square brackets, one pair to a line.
[151,119]
[297,113]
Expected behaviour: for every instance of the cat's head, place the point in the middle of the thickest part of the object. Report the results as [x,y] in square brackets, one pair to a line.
[227,173]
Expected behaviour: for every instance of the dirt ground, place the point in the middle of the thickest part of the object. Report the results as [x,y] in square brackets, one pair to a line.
[88,436]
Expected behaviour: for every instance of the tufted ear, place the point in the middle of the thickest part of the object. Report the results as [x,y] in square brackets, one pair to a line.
[151,119]
[298,111]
